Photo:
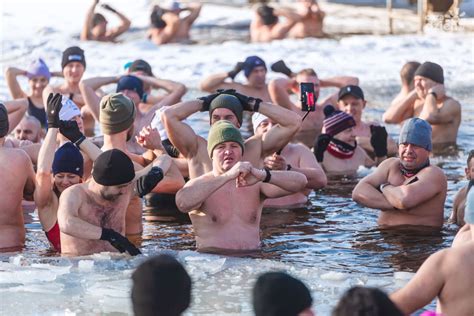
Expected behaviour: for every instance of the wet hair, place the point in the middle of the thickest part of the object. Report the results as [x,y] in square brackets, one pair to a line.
[365,301]
[307,72]
[98,18]
[408,72]
[156,19]
[267,15]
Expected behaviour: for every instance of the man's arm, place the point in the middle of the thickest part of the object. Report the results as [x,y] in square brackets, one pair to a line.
[88,88]
[450,110]
[175,91]
[278,90]
[217,81]
[366,192]
[87,27]
[401,110]
[11,75]
[283,183]
[44,186]
[165,35]
[122,28]
[195,10]
[16,109]
[29,189]
[339,82]
[310,167]
[424,286]
[282,28]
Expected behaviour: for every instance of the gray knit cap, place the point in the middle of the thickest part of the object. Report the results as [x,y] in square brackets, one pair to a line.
[417,132]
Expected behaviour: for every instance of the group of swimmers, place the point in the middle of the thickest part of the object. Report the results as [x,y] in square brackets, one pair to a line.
[88,198]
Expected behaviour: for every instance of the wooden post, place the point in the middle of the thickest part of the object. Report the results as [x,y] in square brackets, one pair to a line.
[390,18]
[422,7]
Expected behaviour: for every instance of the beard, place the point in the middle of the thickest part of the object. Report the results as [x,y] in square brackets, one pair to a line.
[110,197]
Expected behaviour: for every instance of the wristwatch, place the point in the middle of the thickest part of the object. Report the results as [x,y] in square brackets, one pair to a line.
[383,185]
[433,93]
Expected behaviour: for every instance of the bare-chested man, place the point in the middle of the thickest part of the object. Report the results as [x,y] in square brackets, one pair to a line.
[91,215]
[407,76]
[228,105]
[407,190]
[29,129]
[18,182]
[95,25]
[225,204]
[296,157]
[459,204]
[255,70]
[429,101]
[311,23]
[446,275]
[266,25]
[168,27]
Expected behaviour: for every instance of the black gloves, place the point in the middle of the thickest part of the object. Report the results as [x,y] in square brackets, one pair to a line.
[71,131]
[237,68]
[120,242]
[250,104]
[147,182]
[281,67]
[321,146]
[206,100]
[378,140]
[53,106]
[107,7]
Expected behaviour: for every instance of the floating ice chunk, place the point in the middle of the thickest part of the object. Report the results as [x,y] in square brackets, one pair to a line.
[85,265]
[18,260]
[334,276]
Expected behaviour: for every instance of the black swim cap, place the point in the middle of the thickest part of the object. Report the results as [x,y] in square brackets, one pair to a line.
[4,124]
[113,167]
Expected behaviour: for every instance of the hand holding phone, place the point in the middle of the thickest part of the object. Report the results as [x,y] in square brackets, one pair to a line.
[307,97]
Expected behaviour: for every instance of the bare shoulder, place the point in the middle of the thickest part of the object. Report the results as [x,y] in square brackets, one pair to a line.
[434,171]
[15,157]
[452,104]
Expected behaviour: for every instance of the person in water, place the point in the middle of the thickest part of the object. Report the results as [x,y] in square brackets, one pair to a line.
[408,190]
[459,203]
[266,25]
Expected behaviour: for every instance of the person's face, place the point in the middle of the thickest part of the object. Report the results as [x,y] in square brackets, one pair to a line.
[64,180]
[37,85]
[100,29]
[257,77]
[224,114]
[422,85]
[353,106]
[112,193]
[470,170]
[132,94]
[412,156]
[346,136]
[73,72]
[264,127]
[27,130]
[226,155]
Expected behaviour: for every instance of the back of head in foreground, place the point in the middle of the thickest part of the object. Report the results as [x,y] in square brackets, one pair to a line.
[161,286]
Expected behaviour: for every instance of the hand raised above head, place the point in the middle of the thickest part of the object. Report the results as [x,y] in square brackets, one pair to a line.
[53,107]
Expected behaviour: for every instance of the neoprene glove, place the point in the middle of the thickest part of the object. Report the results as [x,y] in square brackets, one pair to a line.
[237,68]
[71,131]
[107,7]
[120,242]
[147,182]
[53,106]
[281,67]
[206,100]
[378,140]
[321,146]
[250,104]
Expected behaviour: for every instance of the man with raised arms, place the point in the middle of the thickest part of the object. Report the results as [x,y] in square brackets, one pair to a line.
[266,25]
[225,204]
[407,190]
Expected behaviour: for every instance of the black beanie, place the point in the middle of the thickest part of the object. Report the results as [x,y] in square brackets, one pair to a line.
[432,71]
[161,286]
[72,54]
[278,294]
[113,167]
[4,124]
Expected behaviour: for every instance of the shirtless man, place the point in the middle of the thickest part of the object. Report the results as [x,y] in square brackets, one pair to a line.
[228,105]
[91,215]
[18,182]
[266,27]
[281,88]
[255,70]
[168,27]
[29,129]
[459,204]
[296,157]
[95,25]
[351,100]
[132,87]
[407,76]
[225,204]
[311,23]
[429,101]
[407,190]
[447,275]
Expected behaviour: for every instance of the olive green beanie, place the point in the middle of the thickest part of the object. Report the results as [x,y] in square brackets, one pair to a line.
[221,132]
[227,101]
[117,113]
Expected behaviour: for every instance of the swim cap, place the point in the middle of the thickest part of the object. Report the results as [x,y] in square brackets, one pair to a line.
[336,121]
[257,119]
[130,82]
[417,132]
[117,113]
[227,101]
[469,210]
[68,158]
[251,62]
[267,15]
[277,293]
[69,109]
[38,68]
[113,167]
[221,132]
[355,91]
[141,65]
[432,71]
[4,124]
[72,54]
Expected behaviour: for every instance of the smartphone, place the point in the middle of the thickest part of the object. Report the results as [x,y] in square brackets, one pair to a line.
[307,97]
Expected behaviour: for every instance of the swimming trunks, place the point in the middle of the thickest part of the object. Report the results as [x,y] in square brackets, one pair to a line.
[39,113]
[53,236]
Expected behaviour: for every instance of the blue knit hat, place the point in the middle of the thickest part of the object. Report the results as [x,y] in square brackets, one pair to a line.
[417,132]
[251,62]
[68,159]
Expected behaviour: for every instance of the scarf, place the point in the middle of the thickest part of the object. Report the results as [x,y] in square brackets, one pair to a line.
[411,172]
[340,149]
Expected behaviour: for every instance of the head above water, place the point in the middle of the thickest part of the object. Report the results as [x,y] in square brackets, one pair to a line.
[38,68]
[267,15]
[130,83]
[417,132]
[251,63]
[73,54]
[221,132]
[30,129]
[113,168]
[226,101]
[431,71]
[141,65]
[117,113]
[68,159]
[407,74]
[336,121]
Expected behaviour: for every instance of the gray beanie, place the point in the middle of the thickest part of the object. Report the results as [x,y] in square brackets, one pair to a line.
[4,125]
[117,113]
[227,101]
[417,132]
